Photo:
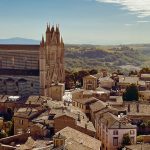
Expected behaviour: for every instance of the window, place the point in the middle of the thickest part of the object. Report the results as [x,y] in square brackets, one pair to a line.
[87,107]
[115,141]
[21,122]
[115,132]
[106,129]
[132,140]
[132,132]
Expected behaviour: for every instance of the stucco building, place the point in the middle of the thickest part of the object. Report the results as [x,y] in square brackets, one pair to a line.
[110,130]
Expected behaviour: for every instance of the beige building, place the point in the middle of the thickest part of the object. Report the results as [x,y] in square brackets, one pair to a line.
[144,95]
[99,93]
[126,81]
[100,106]
[76,121]
[24,122]
[106,82]
[89,82]
[84,104]
[110,130]
[137,111]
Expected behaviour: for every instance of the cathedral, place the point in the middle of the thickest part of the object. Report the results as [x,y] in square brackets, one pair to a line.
[34,69]
[51,63]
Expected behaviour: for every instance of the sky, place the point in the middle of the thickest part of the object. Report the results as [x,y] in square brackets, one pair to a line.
[81,21]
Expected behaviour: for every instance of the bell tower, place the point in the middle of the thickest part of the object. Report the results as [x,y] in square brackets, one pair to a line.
[52,73]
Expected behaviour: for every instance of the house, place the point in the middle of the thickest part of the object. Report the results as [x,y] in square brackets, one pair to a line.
[84,104]
[89,82]
[23,118]
[100,106]
[99,93]
[110,130]
[106,82]
[115,101]
[76,121]
[137,111]
[140,146]
[144,95]
[125,81]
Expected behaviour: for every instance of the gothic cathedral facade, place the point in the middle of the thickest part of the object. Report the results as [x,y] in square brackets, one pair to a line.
[51,62]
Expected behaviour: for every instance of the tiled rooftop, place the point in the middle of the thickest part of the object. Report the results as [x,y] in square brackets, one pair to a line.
[86,100]
[113,122]
[81,138]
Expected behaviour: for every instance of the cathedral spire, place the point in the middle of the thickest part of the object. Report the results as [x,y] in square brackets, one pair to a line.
[42,42]
[57,34]
[48,28]
[57,28]
[52,29]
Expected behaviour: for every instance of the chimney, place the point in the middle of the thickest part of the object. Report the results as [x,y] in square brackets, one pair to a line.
[58,140]
[119,124]
[29,103]
[137,106]
[128,107]
[79,119]
[86,126]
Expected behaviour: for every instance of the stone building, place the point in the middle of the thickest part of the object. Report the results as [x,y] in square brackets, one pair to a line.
[51,62]
[90,82]
[110,130]
[34,69]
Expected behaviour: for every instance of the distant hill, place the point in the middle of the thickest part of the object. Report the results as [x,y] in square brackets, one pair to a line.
[18,40]
[86,56]
[124,57]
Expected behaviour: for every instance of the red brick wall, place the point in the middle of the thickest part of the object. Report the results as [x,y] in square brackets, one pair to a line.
[62,122]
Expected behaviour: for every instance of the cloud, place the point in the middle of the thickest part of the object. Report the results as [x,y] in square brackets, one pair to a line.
[139,7]
[143,21]
[128,24]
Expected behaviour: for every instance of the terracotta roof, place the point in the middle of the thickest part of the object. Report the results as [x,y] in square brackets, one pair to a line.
[106,79]
[30,144]
[113,122]
[144,109]
[86,100]
[145,75]
[79,137]
[71,115]
[89,76]
[78,90]
[97,106]
[100,89]
[138,147]
[29,113]
[71,144]
[108,109]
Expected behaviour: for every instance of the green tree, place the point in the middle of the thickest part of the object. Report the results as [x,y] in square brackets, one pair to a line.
[126,139]
[3,134]
[131,93]
[82,74]
[93,71]
[148,123]
[10,124]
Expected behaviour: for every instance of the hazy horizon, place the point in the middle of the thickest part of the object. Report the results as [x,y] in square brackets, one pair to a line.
[22,40]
